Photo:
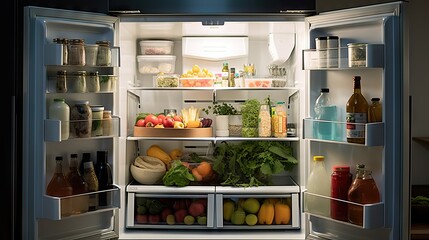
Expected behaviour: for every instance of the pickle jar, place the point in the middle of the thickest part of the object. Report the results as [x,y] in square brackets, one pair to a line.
[61,83]
[104,55]
[93,82]
[76,52]
[81,119]
[77,82]
[64,42]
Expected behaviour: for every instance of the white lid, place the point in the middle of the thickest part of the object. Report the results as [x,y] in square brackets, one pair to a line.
[158,43]
[156,58]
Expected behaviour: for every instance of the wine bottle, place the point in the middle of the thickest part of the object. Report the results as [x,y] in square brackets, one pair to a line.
[79,186]
[103,170]
[356,114]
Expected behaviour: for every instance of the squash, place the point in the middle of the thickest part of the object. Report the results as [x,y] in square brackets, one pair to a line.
[266,213]
[282,213]
[157,152]
[176,154]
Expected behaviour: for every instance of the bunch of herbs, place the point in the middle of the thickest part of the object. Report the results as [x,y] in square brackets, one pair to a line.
[221,109]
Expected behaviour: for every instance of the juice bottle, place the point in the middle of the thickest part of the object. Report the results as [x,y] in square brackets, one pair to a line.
[318,186]
[362,191]
[60,187]
[79,186]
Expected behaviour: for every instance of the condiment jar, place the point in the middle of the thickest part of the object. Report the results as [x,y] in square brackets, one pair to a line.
[61,84]
[104,55]
[77,82]
[76,52]
[64,42]
[93,82]
[279,121]
[81,119]
[97,120]
[107,123]
[264,121]
[341,179]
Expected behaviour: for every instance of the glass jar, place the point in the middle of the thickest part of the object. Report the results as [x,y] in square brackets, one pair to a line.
[97,120]
[76,52]
[81,119]
[264,121]
[91,52]
[341,179]
[107,123]
[104,55]
[93,82]
[61,84]
[64,42]
[77,82]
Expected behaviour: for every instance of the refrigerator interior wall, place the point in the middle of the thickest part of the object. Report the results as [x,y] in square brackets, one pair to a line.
[41,27]
[353,27]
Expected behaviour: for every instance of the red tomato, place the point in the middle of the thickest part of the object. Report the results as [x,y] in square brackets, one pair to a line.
[177,118]
[161,118]
[141,123]
[168,122]
[151,119]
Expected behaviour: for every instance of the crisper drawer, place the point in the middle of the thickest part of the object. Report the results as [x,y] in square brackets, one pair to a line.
[160,207]
[263,209]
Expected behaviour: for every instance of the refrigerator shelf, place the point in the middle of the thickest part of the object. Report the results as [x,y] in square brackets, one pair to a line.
[372,214]
[54,56]
[57,208]
[214,89]
[318,59]
[374,132]
[52,128]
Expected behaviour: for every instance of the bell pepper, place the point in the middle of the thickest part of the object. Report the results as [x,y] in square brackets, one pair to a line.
[282,213]
[266,213]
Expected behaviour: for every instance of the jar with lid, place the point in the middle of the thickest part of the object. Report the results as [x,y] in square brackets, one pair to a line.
[97,120]
[64,42]
[81,119]
[77,82]
[93,82]
[61,84]
[322,54]
[60,110]
[375,111]
[76,52]
[341,179]
[104,55]
[107,123]
[264,121]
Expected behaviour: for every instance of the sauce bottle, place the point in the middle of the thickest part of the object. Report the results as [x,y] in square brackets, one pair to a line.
[362,191]
[375,111]
[356,114]
[341,179]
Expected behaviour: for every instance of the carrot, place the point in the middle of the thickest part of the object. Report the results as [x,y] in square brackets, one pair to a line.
[204,169]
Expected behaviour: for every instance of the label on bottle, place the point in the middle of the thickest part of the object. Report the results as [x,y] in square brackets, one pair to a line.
[355,130]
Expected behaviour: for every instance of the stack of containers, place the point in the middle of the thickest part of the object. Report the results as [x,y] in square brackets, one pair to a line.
[157,59]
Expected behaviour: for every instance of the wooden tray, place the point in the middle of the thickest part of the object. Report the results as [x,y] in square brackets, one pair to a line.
[173,132]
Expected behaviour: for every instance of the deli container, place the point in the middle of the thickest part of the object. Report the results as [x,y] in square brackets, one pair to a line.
[257,82]
[151,64]
[156,47]
[196,82]
[166,80]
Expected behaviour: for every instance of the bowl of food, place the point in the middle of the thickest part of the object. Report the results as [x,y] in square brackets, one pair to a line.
[147,170]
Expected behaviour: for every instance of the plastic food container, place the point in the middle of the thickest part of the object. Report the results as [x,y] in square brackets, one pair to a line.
[196,82]
[166,80]
[156,47]
[148,64]
[357,54]
[257,83]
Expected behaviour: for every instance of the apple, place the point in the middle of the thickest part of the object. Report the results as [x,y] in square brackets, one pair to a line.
[141,123]
[154,218]
[161,118]
[165,212]
[151,119]
[180,215]
[142,218]
[178,124]
[197,209]
[168,122]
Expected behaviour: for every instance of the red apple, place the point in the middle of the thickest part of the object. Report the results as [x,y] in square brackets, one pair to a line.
[154,218]
[197,209]
[180,215]
[179,204]
[161,118]
[165,212]
[141,123]
[168,122]
[151,119]
[141,218]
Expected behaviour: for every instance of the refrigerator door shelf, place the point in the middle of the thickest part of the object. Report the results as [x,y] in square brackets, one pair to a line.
[374,132]
[53,129]
[52,205]
[372,214]
[54,56]
[371,56]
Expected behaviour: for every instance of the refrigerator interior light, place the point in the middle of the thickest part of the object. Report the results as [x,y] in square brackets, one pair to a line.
[215,48]
[280,46]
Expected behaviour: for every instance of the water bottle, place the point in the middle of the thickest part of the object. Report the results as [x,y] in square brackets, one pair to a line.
[325,112]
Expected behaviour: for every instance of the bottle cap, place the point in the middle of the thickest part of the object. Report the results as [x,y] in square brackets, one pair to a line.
[375,99]
[325,90]
[341,168]
[318,158]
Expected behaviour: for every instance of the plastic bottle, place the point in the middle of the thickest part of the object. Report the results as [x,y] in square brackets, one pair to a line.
[104,175]
[375,111]
[341,179]
[363,190]
[91,179]
[356,114]
[79,186]
[59,110]
[324,111]
[318,184]
[59,186]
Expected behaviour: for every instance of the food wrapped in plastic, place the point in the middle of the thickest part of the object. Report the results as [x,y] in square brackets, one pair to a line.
[166,80]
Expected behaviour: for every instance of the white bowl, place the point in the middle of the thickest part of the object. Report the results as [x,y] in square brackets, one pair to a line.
[146,175]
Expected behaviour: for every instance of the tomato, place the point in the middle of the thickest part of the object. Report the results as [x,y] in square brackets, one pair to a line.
[151,119]
[161,118]
[168,122]
[141,123]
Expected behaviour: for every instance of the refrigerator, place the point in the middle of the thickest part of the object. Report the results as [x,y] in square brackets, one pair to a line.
[281,46]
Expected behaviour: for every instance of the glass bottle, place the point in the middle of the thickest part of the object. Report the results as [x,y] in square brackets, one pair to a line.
[104,54]
[60,110]
[341,179]
[356,114]
[60,187]
[81,119]
[375,111]
[363,190]
[264,121]
[325,111]
[91,179]
[61,83]
[231,81]
[318,183]
[79,186]
[225,74]
[103,170]
[279,120]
